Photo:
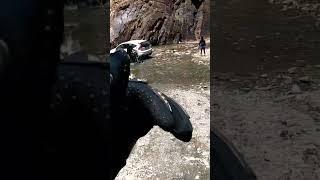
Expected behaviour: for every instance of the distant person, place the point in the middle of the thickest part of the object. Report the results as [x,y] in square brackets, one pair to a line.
[180,39]
[202,46]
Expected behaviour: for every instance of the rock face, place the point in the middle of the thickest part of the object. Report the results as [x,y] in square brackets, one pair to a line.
[159,21]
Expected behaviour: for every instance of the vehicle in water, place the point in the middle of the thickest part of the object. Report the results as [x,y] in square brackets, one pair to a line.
[139,49]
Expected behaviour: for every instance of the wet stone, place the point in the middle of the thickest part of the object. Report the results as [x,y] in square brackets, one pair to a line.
[264,75]
[295,89]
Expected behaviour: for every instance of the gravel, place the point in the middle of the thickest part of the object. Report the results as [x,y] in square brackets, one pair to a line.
[278,135]
[159,155]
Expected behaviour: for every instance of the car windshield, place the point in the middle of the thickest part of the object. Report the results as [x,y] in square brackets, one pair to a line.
[120,46]
[145,44]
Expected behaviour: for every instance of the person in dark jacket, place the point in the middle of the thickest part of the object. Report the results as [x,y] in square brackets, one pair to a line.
[202,46]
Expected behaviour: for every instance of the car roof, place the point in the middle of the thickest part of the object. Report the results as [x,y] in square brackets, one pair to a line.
[136,42]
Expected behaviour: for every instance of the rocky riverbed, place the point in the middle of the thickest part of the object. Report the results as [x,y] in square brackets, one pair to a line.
[266,86]
[176,64]
[159,155]
[274,120]
[180,72]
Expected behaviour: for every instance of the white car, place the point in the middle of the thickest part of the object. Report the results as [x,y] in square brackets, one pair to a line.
[140,47]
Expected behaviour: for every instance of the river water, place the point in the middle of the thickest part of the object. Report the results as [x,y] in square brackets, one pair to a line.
[176,64]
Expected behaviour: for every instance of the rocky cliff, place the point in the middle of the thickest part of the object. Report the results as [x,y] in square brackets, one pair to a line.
[159,21]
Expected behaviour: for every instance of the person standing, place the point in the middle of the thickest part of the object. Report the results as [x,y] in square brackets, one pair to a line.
[202,46]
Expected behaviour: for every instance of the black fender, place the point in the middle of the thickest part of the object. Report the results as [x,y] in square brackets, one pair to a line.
[166,113]
[226,162]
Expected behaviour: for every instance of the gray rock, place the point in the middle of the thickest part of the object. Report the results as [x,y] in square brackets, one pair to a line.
[301,97]
[70,46]
[292,70]
[288,80]
[264,88]
[234,80]
[305,79]
[282,98]
[264,75]
[295,89]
